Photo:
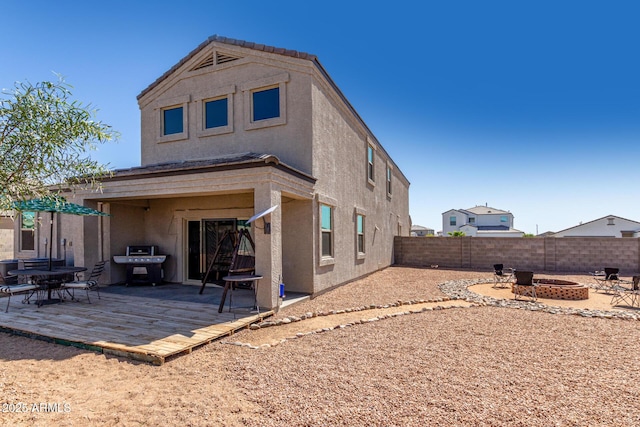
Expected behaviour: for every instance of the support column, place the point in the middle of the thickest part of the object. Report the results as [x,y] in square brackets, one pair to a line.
[268,246]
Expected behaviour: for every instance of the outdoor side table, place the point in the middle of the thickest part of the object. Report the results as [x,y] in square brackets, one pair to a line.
[229,280]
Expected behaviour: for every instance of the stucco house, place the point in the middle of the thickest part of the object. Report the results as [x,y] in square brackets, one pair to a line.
[231,130]
[607,226]
[479,221]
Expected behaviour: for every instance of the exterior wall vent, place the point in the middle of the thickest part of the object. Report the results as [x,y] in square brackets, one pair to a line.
[208,62]
[222,58]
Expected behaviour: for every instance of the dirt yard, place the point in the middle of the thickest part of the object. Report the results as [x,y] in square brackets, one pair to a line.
[446,363]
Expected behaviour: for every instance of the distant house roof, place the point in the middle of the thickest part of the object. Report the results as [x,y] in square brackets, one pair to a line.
[599,219]
[485,210]
[419,227]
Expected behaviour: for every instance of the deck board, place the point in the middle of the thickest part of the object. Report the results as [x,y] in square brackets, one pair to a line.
[141,328]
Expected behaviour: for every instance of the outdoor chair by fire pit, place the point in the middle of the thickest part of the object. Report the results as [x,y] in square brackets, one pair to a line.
[524,286]
[625,292]
[501,276]
[607,279]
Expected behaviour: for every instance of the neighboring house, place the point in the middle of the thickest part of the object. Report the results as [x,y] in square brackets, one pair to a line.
[420,231]
[607,226]
[479,221]
[231,130]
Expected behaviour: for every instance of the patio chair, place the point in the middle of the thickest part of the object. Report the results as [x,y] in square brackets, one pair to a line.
[87,285]
[524,285]
[501,276]
[26,289]
[607,279]
[626,292]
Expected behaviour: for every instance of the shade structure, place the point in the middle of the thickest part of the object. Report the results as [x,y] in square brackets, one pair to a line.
[54,204]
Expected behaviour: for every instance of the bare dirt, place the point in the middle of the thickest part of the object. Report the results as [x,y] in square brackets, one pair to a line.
[451,366]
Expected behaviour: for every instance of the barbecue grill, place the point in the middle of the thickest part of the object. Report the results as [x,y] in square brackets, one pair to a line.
[144,264]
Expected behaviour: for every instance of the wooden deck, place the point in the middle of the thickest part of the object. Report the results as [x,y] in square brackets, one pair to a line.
[146,329]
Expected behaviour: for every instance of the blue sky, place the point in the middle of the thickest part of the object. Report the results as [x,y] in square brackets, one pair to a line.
[531,107]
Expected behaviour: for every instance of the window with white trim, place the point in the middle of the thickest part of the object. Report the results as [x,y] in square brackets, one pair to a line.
[389,175]
[371,163]
[326,229]
[360,233]
[173,118]
[215,111]
[265,102]
[27,231]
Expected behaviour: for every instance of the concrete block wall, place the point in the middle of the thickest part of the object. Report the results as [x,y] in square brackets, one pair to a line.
[568,254]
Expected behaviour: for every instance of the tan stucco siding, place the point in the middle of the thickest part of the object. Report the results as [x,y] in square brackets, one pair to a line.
[340,165]
[290,141]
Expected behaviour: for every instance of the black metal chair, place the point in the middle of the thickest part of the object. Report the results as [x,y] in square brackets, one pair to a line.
[26,289]
[524,285]
[91,283]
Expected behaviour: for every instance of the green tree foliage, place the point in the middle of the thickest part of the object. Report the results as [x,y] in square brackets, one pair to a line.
[456,233]
[45,140]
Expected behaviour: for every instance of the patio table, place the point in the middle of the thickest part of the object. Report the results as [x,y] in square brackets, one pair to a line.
[47,279]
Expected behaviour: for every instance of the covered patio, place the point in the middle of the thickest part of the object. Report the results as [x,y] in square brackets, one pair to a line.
[149,324]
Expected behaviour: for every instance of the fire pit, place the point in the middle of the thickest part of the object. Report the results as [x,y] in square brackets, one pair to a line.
[560,289]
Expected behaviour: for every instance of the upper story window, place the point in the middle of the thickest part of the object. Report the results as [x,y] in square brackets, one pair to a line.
[610,221]
[452,220]
[27,231]
[504,218]
[215,111]
[265,102]
[172,121]
[326,228]
[389,175]
[472,220]
[173,118]
[371,163]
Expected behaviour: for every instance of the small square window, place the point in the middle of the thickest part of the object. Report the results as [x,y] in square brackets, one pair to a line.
[216,113]
[266,104]
[504,219]
[472,220]
[610,221]
[172,119]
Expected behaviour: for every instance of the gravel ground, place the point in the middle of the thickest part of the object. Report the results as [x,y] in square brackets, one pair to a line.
[477,366]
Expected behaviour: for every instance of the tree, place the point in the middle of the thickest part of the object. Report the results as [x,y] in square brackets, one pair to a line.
[45,140]
[456,233]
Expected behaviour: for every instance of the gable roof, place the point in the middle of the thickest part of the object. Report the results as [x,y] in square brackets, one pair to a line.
[278,51]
